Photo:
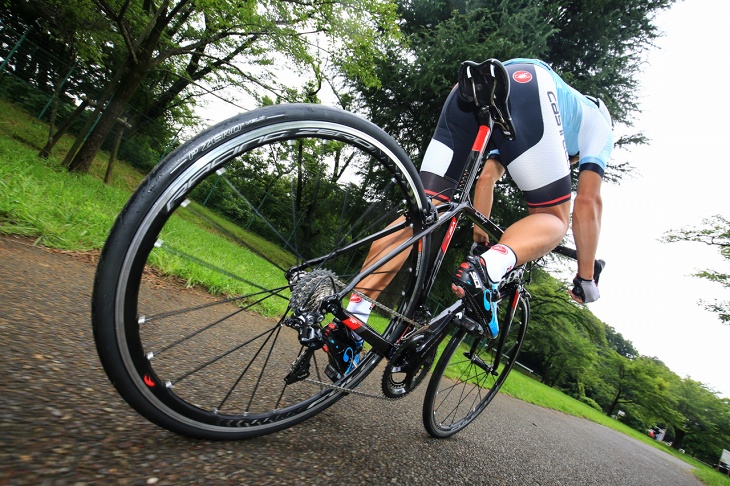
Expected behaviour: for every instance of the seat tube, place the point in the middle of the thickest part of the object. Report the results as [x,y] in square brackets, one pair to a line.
[471,168]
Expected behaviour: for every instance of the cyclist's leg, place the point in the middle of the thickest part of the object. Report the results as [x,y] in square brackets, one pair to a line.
[376,282]
[537,233]
[531,237]
[442,164]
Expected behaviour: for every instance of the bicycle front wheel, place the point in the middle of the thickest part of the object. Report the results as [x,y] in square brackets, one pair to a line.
[190,299]
[467,376]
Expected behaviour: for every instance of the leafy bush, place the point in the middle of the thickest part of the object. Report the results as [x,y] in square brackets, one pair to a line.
[591,403]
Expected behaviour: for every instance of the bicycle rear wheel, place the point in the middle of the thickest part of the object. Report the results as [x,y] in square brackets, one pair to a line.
[465,379]
[190,298]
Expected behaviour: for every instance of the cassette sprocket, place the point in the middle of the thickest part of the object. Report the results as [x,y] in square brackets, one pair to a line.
[311,289]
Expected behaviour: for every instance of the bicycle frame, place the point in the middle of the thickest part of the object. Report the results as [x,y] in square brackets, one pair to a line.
[451,213]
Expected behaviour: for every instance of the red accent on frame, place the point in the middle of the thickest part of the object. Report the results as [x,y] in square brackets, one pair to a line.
[517,299]
[449,235]
[352,323]
[481,137]
[437,195]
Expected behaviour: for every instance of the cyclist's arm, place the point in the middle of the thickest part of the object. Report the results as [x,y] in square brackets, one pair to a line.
[484,194]
[587,210]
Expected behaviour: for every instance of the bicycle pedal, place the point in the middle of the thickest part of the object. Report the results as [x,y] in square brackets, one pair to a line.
[332,373]
[471,326]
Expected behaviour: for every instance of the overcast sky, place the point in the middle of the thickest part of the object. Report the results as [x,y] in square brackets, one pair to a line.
[683,176]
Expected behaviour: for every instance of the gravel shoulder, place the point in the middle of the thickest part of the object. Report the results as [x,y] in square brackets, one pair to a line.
[61,422]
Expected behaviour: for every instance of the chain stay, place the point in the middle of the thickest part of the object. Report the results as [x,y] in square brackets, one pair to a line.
[390,311]
[349,391]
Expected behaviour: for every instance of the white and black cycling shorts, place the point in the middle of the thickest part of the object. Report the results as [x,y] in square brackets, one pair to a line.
[537,160]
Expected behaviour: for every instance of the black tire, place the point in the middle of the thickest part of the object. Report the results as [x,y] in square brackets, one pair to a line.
[459,389]
[190,296]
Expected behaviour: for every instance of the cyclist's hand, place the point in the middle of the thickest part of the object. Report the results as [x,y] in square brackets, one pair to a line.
[584,291]
[480,235]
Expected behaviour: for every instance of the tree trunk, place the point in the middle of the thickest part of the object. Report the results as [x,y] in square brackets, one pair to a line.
[46,150]
[614,403]
[130,80]
[108,92]
[53,139]
[127,86]
[113,157]
[51,127]
[678,438]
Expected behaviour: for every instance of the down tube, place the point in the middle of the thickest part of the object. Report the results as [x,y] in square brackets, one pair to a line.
[441,253]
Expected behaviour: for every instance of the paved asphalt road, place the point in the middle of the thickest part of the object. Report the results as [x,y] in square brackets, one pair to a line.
[61,422]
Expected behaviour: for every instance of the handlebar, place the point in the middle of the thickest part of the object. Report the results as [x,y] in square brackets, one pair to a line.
[598,265]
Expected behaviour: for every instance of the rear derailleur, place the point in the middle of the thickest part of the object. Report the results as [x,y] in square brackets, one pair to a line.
[308,291]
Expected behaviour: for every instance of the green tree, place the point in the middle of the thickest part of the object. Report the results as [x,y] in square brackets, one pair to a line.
[618,343]
[599,46]
[701,419]
[417,77]
[630,381]
[563,338]
[596,45]
[194,39]
[714,232]
[62,40]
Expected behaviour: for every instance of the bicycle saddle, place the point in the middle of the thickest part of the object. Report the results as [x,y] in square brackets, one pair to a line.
[486,84]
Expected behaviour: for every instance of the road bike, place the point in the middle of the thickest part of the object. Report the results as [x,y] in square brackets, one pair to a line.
[274,211]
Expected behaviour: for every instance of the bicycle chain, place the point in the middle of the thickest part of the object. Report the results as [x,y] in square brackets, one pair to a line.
[350,391]
[387,309]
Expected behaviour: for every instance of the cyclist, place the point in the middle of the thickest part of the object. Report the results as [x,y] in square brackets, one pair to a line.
[556,126]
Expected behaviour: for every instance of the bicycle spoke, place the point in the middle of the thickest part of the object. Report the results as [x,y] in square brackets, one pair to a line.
[162,245]
[221,356]
[232,236]
[258,382]
[467,377]
[163,315]
[199,268]
[264,219]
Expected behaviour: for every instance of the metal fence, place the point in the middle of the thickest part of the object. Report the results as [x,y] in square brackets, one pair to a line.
[33,77]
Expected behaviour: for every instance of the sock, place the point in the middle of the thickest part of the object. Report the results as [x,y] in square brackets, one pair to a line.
[359,308]
[499,260]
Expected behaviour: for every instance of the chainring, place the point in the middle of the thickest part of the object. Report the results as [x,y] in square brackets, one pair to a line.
[408,367]
[312,289]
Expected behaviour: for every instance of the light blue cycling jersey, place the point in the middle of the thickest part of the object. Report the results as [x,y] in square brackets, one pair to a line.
[584,126]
